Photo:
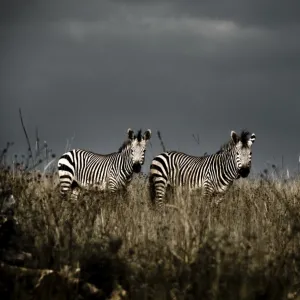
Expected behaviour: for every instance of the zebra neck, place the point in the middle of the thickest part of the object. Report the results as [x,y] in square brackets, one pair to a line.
[127,161]
[230,168]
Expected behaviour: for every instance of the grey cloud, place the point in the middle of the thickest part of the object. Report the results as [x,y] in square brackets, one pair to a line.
[268,13]
[18,11]
[271,13]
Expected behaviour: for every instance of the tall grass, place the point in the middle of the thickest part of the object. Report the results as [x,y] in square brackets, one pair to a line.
[107,246]
[247,247]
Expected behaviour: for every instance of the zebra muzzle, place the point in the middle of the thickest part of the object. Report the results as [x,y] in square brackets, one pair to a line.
[137,167]
[244,172]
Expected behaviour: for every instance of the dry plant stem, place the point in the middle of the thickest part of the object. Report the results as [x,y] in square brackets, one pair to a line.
[26,135]
[161,141]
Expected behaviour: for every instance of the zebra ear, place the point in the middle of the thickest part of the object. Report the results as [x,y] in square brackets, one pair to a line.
[147,134]
[235,137]
[252,139]
[130,134]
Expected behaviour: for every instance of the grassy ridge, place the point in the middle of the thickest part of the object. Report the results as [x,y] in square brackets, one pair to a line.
[246,248]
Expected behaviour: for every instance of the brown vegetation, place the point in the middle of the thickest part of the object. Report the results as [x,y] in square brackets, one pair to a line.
[105,247]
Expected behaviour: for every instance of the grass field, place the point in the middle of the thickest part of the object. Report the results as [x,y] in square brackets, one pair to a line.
[120,248]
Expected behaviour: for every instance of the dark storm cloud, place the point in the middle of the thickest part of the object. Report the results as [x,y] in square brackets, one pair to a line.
[269,13]
[180,67]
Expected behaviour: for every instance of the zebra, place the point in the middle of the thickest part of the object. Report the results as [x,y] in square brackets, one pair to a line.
[108,172]
[213,173]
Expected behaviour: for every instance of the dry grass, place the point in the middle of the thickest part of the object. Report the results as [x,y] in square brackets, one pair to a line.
[246,248]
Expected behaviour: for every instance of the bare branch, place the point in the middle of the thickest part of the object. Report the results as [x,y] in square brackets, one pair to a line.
[161,141]
[37,143]
[26,135]
[196,138]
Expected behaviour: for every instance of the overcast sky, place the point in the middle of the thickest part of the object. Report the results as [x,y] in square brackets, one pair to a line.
[91,69]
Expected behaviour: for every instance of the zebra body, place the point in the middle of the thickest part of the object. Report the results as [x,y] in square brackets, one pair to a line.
[213,173]
[106,172]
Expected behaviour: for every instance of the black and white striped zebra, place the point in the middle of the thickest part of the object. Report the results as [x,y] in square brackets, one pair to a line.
[213,173]
[107,172]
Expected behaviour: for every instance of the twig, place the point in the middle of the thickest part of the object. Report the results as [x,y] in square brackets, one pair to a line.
[4,151]
[196,138]
[26,135]
[37,143]
[48,165]
[161,141]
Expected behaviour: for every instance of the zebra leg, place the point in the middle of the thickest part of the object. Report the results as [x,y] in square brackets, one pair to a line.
[215,198]
[212,196]
[221,194]
[218,199]
[63,189]
[74,194]
[158,186]
[117,187]
[73,188]
[210,192]
[65,182]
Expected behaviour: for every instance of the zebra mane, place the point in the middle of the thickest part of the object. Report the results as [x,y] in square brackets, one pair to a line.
[139,136]
[244,138]
[226,147]
[125,144]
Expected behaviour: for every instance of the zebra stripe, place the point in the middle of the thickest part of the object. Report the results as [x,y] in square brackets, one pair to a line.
[214,173]
[84,169]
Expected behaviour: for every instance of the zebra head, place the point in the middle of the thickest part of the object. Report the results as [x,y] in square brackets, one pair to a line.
[243,153]
[138,147]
